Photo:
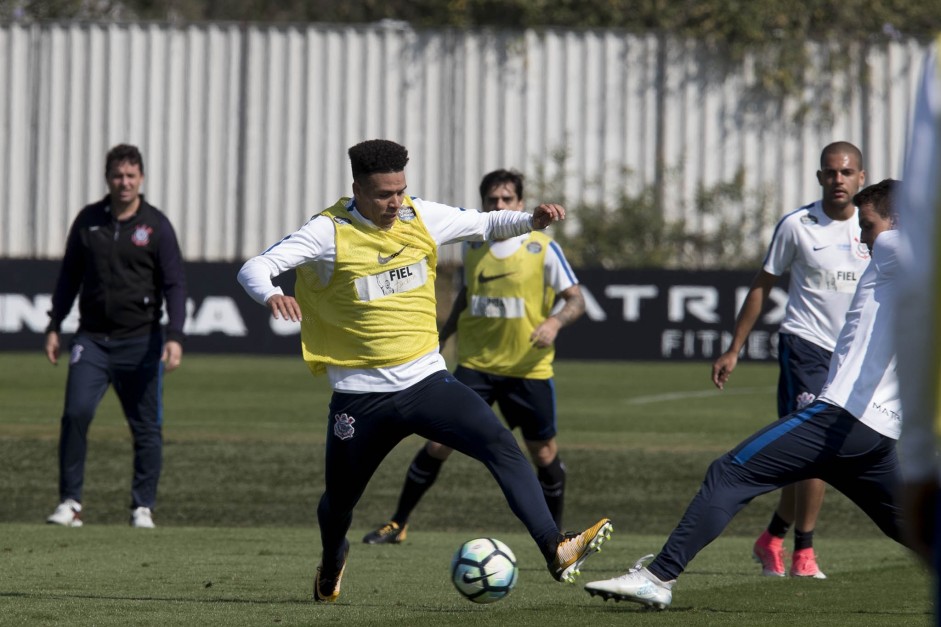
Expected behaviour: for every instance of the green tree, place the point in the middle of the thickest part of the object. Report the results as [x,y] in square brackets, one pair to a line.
[724,23]
[725,228]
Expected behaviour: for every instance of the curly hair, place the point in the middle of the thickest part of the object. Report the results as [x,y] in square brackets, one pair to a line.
[124,153]
[377,156]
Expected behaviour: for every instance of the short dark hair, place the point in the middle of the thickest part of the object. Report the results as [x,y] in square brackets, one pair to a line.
[837,147]
[880,195]
[500,177]
[124,153]
[377,156]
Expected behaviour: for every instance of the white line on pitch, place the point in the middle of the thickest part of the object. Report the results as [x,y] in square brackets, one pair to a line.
[679,396]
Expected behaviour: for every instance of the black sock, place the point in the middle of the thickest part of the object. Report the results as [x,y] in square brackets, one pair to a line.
[778,527]
[552,481]
[421,475]
[549,550]
[803,539]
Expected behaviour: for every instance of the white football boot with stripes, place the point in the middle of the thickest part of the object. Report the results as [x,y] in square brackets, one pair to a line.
[638,585]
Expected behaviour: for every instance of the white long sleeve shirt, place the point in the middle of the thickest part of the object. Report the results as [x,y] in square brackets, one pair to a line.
[862,378]
[314,244]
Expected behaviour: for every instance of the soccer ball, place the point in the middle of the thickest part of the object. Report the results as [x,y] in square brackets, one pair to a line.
[484,570]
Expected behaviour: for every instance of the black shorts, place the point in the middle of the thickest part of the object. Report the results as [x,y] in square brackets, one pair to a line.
[525,403]
[804,368]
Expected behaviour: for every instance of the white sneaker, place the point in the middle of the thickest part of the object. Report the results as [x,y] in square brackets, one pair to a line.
[67,514]
[142,518]
[638,585]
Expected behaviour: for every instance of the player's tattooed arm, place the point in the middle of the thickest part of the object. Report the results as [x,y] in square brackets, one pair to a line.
[544,335]
[573,308]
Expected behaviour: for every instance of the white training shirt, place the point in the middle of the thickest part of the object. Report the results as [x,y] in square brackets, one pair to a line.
[862,378]
[315,244]
[917,317]
[558,274]
[826,259]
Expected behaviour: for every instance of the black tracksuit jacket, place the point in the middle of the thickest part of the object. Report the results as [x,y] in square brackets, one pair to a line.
[122,271]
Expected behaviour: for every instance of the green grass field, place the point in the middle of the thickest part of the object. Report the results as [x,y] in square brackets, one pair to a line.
[237,540]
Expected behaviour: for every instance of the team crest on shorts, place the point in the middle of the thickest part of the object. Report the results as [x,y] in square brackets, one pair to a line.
[406,213]
[141,235]
[534,247]
[804,399]
[343,426]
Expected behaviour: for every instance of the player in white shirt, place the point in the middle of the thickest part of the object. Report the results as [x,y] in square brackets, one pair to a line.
[505,336]
[365,299]
[819,244]
[918,324]
[846,437]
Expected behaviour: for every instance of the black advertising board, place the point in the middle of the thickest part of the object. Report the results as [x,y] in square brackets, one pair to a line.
[631,314]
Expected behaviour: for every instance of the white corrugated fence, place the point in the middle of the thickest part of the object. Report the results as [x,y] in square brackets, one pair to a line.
[244,128]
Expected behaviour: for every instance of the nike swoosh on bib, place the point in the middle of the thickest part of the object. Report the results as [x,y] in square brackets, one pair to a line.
[483,278]
[384,260]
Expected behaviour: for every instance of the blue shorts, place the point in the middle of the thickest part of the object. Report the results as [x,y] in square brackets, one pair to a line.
[525,403]
[804,368]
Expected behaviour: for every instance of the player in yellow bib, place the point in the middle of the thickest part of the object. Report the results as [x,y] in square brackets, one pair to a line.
[505,347]
[365,298]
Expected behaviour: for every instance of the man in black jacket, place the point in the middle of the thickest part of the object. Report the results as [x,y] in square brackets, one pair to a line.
[122,259]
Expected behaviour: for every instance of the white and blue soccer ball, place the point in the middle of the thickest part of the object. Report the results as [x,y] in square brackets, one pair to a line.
[484,570]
